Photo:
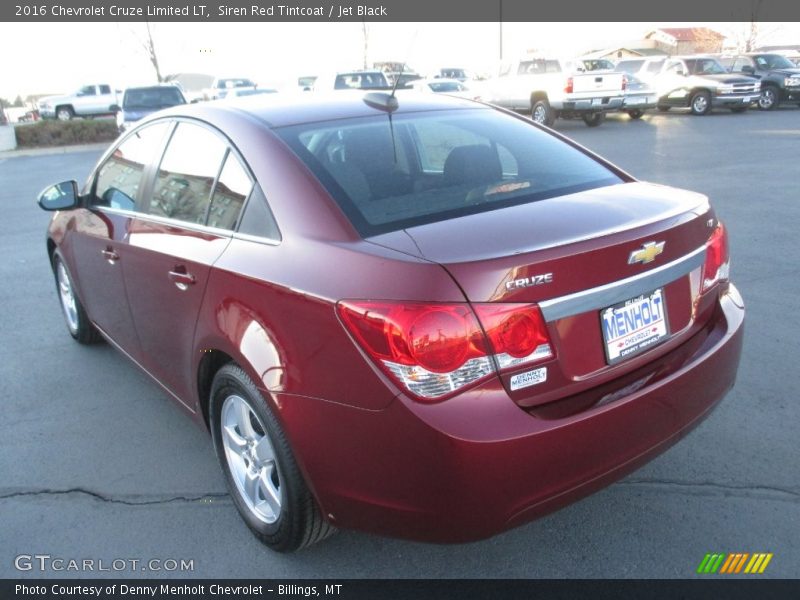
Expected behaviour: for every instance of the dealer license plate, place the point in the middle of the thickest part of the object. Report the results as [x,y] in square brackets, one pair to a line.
[634,325]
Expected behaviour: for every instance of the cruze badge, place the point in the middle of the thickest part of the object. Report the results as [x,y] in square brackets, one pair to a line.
[529,281]
[646,253]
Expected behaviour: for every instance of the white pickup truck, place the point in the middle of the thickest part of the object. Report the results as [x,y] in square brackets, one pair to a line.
[548,88]
[88,101]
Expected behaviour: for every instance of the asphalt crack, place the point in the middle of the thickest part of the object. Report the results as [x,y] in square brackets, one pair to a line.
[711,488]
[129,501]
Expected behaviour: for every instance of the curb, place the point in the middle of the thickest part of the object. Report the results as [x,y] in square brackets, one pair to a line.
[54,150]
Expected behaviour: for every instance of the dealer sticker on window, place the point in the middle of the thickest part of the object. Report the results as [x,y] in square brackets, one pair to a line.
[634,325]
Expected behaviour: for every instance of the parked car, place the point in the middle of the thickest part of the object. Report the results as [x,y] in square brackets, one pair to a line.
[92,100]
[454,87]
[244,92]
[453,73]
[546,89]
[138,102]
[352,80]
[347,292]
[222,86]
[780,77]
[404,81]
[639,97]
[702,83]
[644,68]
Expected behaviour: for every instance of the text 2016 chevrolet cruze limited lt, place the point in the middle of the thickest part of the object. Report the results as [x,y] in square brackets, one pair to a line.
[422,317]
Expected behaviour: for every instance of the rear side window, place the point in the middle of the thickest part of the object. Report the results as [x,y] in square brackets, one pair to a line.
[187,173]
[233,187]
[119,178]
[388,174]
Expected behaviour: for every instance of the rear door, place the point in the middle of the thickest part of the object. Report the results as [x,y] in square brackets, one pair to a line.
[184,225]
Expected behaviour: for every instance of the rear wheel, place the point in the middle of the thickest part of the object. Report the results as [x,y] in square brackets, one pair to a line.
[594,119]
[75,317]
[769,98]
[636,113]
[700,103]
[542,113]
[262,475]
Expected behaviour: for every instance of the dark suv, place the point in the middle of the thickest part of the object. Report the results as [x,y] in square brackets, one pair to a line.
[780,77]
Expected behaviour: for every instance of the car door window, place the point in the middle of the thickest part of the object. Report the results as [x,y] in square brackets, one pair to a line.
[119,178]
[232,189]
[187,174]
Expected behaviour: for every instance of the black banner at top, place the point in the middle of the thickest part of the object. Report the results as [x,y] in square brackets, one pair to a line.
[397,10]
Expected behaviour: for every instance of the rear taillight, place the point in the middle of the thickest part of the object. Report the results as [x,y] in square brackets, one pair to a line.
[624,82]
[570,85]
[717,265]
[433,350]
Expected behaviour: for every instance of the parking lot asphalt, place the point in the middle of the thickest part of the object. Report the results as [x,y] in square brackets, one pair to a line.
[97,463]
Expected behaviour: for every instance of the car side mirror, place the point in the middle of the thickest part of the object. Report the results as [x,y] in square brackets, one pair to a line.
[61,196]
[748,69]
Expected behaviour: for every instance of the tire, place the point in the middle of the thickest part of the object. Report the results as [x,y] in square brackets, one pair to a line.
[262,475]
[700,103]
[64,113]
[636,113]
[663,107]
[769,99]
[78,323]
[594,119]
[542,113]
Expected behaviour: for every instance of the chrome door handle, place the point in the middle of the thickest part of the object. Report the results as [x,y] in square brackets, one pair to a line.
[182,280]
[110,255]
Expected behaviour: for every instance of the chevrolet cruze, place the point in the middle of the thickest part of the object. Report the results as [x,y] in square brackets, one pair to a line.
[418,316]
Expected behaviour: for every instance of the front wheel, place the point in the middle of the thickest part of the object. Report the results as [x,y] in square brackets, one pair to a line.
[594,119]
[542,113]
[769,98]
[262,475]
[64,113]
[700,103]
[78,323]
[636,113]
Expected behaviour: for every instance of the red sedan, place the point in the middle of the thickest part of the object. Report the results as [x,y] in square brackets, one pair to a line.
[417,316]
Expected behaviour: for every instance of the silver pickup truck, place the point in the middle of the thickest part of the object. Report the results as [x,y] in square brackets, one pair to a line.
[548,88]
[88,101]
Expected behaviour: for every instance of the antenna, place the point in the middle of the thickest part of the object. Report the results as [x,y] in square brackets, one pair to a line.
[403,66]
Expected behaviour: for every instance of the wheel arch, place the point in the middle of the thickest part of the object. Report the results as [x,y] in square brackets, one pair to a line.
[536,96]
[211,361]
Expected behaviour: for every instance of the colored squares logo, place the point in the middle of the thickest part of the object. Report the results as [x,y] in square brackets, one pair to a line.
[738,562]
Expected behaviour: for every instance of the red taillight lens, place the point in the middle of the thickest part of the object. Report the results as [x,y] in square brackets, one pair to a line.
[570,85]
[624,82]
[434,350]
[517,332]
[717,265]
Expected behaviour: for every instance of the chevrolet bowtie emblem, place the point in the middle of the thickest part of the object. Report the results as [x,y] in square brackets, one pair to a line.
[646,253]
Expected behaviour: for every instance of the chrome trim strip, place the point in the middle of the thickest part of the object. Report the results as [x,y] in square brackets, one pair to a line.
[619,291]
[170,222]
[257,239]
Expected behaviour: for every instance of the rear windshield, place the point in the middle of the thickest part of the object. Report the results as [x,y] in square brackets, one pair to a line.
[152,98]
[417,168]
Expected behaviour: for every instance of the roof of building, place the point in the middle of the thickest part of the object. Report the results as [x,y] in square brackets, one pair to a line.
[689,34]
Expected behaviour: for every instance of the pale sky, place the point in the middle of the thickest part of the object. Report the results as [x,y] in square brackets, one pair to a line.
[54,58]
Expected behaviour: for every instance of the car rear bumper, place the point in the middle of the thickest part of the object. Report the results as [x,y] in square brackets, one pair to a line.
[478,464]
[592,104]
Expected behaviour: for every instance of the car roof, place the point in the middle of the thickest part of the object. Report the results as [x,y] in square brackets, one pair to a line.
[283,109]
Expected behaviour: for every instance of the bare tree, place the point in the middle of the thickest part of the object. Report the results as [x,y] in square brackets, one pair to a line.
[149,46]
